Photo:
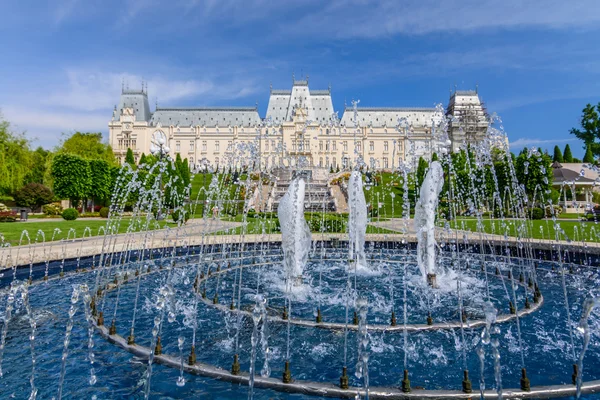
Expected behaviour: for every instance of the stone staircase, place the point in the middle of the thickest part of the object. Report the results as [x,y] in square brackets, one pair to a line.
[318,195]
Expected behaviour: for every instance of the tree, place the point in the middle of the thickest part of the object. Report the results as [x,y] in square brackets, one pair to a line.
[590,128]
[33,195]
[588,157]
[558,157]
[100,176]
[37,173]
[71,177]
[129,159]
[534,172]
[88,145]
[421,170]
[15,159]
[142,159]
[434,157]
[567,155]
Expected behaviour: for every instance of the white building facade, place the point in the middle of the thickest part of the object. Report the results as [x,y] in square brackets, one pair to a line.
[300,128]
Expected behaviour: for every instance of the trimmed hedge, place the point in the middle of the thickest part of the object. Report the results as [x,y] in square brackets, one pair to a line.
[70,214]
[104,211]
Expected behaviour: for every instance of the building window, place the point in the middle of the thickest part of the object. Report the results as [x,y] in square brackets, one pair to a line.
[385,162]
[385,146]
[359,146]
[133,144]
[345,144]
[192,146]
[229,145]
[266,145]
[178,146]
[191,162]
[293,145]
[371,146]
[327,145]
[320,145]
[327,162]
[306,144]
[321,162]
[327,131]
[334,143]
[204,145]
[217,160]
[217,146]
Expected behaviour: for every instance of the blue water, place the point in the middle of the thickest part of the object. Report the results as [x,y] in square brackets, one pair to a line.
[435,359]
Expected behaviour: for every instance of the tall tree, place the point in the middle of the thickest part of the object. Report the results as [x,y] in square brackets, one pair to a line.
[88,145]
[588,157]
[101,179]
[142,159]
[590,128]
[71,177]
[558,157]
[15,159]
[129,159]
[567,155]
[421,170]
[534,172]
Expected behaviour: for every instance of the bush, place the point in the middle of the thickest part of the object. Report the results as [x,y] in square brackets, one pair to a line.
[536,213]
[70,214]
[3,208]
[33,195]
[104,212]
[52,209]
[177,215]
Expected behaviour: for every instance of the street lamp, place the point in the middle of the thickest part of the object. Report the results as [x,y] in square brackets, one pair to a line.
[158,145]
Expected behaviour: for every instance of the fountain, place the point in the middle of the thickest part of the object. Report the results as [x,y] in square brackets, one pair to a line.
[247,303]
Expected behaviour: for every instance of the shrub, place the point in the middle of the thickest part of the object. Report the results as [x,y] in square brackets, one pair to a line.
[536,213]
[70,214]
[97,208]
[33,195]
[177,215]
[104,212]
[52,209]
[3,208]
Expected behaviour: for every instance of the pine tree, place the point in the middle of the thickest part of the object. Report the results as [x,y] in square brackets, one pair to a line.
[129,159]
[558,157]
[567,155]
[434,157]
[142,159]
[589,157]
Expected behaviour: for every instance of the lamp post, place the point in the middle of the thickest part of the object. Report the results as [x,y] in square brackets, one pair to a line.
[159,148]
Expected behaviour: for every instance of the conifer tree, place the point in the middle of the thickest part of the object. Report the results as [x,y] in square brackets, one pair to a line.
[589,157]
[558,156]
[567,155]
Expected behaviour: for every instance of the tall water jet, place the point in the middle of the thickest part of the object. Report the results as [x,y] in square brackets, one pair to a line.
[425,221]
[295,232]
[357,223]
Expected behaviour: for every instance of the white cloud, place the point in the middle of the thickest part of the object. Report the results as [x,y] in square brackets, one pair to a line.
[529,142]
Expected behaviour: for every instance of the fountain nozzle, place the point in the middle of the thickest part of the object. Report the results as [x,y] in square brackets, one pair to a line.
[466,383]
[287,374]
[406,382]
[432,280]
[344,378]
[525,384]
[235,367]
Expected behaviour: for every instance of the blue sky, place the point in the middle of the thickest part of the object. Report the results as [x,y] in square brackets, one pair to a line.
[537,62]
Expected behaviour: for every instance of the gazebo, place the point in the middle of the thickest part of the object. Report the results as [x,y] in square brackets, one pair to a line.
[577,182]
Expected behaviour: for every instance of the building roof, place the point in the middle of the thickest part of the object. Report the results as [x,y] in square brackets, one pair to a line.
[577,173]
[282,103]
[206,116]
[136,99]
[388,116]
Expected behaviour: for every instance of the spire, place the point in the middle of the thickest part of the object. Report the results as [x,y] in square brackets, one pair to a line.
[329,88]
[122,85]
[270,87]
[477,88]
[307,79]
[293,78]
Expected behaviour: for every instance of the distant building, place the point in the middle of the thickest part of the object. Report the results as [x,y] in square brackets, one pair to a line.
[300,127]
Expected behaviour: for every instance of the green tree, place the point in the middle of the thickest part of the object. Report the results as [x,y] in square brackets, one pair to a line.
[421,170]
[101,180]
[558,157]
[15,159]
[567,155]
[33,195]
[37,173]
[142,159]
[590,128]
[88,145]
[588,157]
[71,175]
[434,157]
[129,159]
[534,172]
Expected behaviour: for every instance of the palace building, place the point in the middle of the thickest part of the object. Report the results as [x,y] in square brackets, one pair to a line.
[301,127]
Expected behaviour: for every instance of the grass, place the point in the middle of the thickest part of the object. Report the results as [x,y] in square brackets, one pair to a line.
[536,229]
[12,231]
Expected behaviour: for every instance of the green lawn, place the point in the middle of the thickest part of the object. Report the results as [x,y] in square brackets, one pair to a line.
[12,231]
[537,229]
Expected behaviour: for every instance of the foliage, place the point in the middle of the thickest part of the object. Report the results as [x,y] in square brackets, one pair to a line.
[71,177]
[567,155]
[180,215]
[33,195]
[70,214]
[129,159]
[101,179]
[536,213]
[88,145]
[104,211]
[15,159]
[142,159]
[52,209]
[558,156]
[534,172]
[590,128]
[588,157]
[421,171]
[39,166]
